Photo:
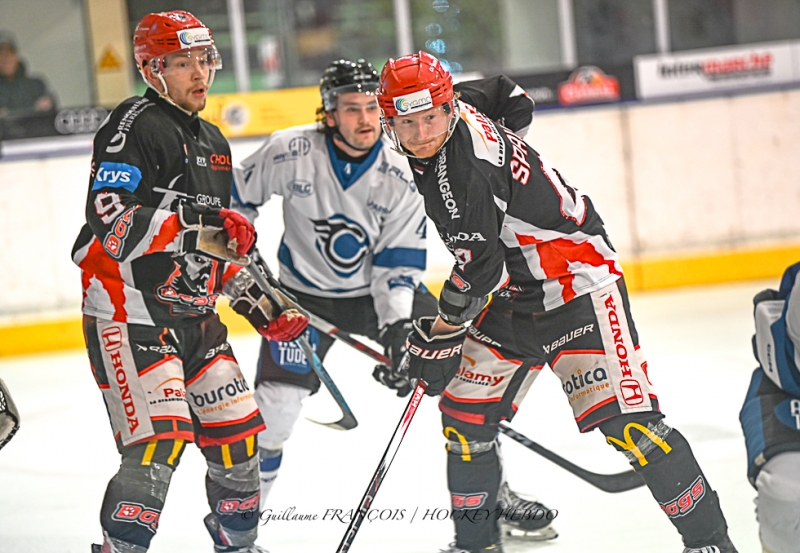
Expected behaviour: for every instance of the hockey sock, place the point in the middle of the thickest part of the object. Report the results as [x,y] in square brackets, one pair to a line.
[269,462]
[473,478]
[662,456]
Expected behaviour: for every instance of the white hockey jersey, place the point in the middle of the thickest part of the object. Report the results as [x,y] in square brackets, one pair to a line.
[365,238]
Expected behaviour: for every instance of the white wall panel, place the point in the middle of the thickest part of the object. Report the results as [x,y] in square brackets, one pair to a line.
[684,171]
[700,175]
[41,214]
[767,143]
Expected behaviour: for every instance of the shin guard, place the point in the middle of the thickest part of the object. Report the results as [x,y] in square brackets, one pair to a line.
[473,478]
[662,456]
[134,500]
[233,492]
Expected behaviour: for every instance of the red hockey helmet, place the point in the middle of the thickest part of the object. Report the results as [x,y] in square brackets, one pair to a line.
[414,83]
[160,34]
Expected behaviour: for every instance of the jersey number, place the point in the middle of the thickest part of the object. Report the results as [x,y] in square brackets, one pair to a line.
[108,206]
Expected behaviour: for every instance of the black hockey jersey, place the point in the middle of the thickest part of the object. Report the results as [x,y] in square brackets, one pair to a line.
[148,155]
[513,223]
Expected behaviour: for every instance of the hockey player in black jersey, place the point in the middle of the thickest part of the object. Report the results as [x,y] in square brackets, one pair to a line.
[158,249]
[536,282]
[353,251]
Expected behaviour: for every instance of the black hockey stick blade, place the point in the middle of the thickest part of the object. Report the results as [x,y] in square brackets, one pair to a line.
[348,420]
[383,468]
[611,483]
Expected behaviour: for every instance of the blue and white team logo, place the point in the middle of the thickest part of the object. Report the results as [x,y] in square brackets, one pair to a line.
[289,355]
[343,244]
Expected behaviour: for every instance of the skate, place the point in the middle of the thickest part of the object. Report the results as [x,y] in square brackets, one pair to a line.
[496,548]
[725,546]
[212,525]
[113,545]
[530,521]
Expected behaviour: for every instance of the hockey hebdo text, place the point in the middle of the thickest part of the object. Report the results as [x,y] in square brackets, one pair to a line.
[345,516]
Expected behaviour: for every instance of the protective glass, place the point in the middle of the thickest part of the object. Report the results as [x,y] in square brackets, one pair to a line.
[406,131]
[422,125]
[330,98]
[207,58]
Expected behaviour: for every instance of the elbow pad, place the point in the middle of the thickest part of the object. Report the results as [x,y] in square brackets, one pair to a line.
[457,308]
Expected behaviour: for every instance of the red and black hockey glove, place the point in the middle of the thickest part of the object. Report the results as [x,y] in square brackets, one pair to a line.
[434,359]
[288,326]
[217,232]
[249,301]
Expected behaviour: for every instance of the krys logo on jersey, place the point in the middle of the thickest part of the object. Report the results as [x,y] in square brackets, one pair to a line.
[117,175]
[342,243]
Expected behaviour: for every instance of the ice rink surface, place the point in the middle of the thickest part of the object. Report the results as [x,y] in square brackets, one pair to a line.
[697,341]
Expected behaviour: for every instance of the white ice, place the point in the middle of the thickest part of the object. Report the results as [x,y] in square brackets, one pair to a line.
[54,472]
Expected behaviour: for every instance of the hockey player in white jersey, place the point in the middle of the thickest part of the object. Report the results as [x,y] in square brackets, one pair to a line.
[353,249]
[770,416]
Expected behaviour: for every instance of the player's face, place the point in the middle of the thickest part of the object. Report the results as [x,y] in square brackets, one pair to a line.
[8,61]
[358,118]
[186,75]
[424,132]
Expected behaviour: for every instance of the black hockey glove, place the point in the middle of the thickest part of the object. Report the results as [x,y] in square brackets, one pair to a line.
[394,379]
[393,339]
[434,359]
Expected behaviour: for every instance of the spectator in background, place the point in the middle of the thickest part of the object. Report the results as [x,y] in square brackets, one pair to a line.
[19,92]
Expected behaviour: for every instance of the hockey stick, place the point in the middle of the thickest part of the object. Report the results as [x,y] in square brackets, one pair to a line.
[383,468]
[611,483]
[348,420]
